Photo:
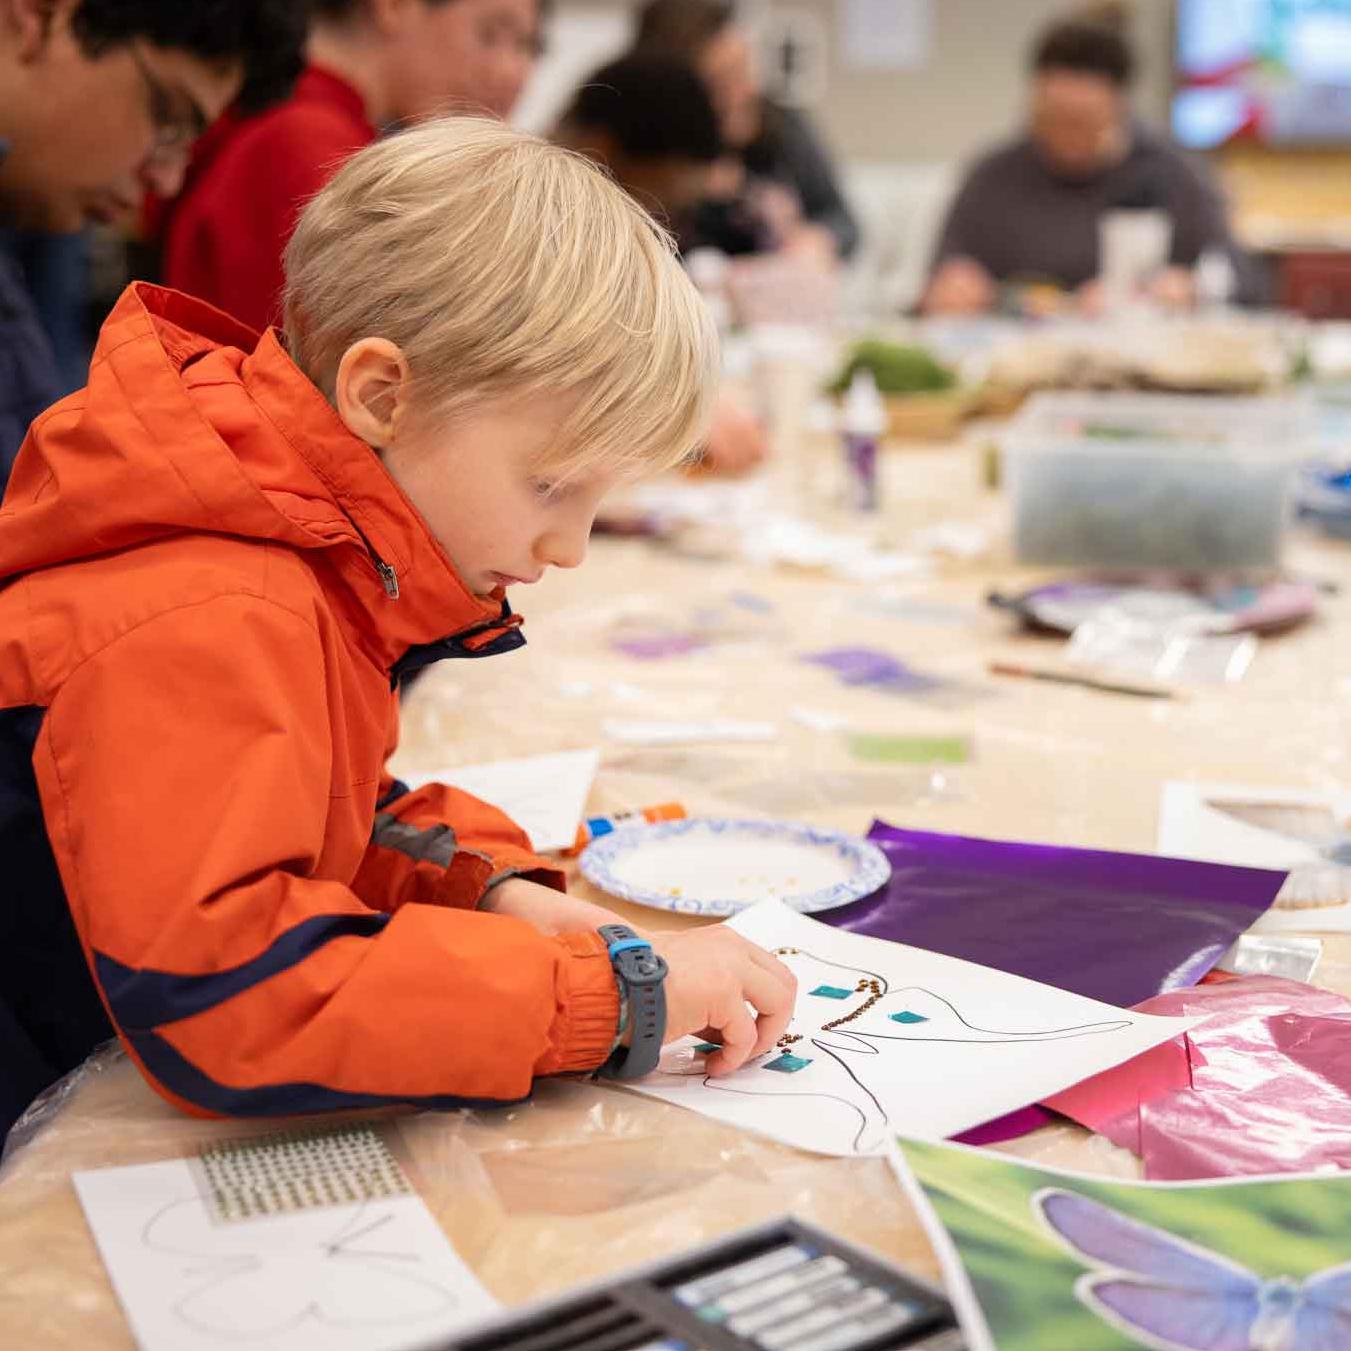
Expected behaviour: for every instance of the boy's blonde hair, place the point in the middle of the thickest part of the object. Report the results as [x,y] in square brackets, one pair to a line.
[503,265]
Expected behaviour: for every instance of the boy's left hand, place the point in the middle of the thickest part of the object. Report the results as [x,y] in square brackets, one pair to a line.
[550,911]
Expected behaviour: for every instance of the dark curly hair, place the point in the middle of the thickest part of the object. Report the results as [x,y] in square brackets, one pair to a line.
[266,36]
[1087,46]
[654,107]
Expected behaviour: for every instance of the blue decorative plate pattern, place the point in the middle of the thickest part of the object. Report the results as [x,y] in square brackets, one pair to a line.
[714,866]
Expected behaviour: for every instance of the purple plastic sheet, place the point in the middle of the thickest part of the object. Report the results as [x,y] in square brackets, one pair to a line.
[874,669]
[1115,927]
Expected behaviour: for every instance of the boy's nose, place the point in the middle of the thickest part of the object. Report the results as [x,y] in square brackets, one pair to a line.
[164,175]
[564,548]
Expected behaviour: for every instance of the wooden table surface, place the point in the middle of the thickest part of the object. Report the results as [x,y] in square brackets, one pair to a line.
[586,1180]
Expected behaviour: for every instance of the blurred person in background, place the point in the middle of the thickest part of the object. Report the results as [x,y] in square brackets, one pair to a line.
[101,100]
[649,121]
[1028,213]
[372,65]
[778,190]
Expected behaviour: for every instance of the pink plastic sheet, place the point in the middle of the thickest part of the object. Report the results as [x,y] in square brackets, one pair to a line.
[1271,1085]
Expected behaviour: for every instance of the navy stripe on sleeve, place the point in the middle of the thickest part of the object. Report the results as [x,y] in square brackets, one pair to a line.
[142,998]
[180,1076]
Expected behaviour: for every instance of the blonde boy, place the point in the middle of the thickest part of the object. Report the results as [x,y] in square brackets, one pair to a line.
[217,562]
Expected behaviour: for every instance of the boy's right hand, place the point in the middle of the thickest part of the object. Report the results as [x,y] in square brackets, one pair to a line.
[713,975]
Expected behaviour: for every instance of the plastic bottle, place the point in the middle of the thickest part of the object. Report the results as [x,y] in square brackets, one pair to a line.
[863,422]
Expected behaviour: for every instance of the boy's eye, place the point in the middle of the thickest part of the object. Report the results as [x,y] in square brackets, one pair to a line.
[545,487]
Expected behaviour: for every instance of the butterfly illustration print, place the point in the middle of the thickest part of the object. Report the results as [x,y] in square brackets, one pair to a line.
[1173,1295]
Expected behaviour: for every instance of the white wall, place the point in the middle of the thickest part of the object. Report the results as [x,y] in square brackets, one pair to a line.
[969,93]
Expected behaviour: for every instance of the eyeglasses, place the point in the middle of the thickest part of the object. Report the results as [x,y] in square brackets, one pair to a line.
[176,126]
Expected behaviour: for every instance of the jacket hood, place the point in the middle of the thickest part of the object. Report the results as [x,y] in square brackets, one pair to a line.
[193,423]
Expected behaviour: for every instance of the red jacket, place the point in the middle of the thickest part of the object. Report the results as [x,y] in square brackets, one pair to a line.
[198,623]
[225,234]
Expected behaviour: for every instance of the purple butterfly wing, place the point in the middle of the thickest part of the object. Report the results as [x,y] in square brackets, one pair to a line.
[1174,1317]
[1159,1288]
[1323,1316]
[1107,1238]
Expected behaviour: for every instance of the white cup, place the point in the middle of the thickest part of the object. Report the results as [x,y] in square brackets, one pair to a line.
[1133,246]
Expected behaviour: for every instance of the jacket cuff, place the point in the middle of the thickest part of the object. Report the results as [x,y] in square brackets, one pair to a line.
[529,866]
[588,1014]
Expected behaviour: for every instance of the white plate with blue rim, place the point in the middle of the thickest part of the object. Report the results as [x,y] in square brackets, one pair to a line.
[713,866]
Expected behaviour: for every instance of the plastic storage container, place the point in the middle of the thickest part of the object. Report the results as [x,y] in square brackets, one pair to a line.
[1128,481]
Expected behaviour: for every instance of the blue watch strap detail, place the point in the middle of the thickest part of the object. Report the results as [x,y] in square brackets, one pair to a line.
[640,972]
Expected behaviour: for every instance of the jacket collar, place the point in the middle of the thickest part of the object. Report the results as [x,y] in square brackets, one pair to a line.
[404,585]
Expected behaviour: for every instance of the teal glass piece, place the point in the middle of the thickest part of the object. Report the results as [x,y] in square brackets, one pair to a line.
[788,1064]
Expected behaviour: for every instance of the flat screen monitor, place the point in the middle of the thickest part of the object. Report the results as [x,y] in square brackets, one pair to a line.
[1269,72]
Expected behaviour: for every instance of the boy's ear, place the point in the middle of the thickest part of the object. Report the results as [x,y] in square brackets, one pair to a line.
[372,390]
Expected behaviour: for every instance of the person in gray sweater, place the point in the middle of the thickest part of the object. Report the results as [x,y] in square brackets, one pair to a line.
[1029,211]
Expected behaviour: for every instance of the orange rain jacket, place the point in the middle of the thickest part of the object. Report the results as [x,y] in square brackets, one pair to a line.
[208,592]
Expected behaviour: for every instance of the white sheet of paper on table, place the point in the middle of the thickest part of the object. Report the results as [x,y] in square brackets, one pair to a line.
[1206,821]
[544,794]
[944,1047]
[377,1275]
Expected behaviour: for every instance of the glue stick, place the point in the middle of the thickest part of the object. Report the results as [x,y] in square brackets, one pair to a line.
[864,421]
[596,826]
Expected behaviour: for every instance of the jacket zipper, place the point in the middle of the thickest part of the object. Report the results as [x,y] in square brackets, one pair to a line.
[388,577]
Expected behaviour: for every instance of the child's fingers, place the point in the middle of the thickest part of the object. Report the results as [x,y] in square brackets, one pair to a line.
[737,1032]
[773,1002]
[768,962]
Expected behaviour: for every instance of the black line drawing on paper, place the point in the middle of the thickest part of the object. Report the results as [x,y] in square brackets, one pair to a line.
[863,1027]
[332,1269]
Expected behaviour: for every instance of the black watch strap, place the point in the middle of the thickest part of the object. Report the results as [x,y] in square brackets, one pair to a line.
[641,974]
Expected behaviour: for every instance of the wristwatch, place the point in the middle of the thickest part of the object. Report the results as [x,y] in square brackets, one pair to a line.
[641,974]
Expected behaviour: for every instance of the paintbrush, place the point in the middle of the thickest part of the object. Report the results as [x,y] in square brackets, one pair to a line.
[1108,684]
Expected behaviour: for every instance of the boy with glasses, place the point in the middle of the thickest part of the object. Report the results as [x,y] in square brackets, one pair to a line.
[99,100]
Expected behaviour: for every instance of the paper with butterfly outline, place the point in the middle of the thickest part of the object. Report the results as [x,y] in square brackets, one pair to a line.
[1036,1258]
[908,1040]
[242,1249]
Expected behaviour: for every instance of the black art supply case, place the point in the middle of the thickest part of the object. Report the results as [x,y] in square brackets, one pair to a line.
[784,1286]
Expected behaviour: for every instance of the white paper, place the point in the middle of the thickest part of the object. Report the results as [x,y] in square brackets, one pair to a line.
[544,794]
[377,1275]
[1207,821]
[886,34]
[649,732]
[944,1046]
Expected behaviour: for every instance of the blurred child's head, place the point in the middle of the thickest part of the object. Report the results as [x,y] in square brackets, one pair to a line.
[708,34]
[650,122]
[430,57]
[507,327]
